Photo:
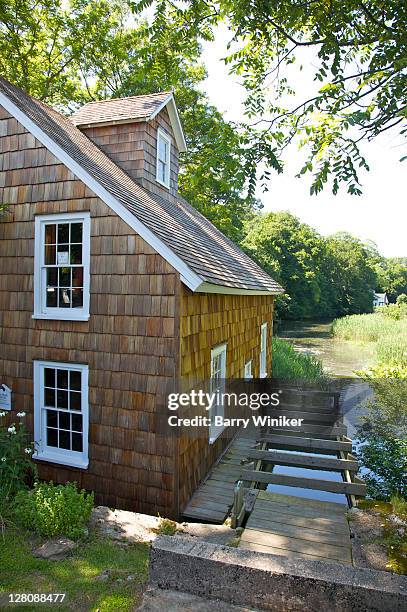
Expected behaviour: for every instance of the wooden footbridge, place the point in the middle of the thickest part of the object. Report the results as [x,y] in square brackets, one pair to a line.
[289,524]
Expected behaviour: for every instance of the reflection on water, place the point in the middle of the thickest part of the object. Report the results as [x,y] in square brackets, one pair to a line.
[339,357]
[306,473]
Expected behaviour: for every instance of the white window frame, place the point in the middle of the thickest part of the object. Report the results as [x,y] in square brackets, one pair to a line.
[58,455]
[248,370]
[41,311]
[161,135]
[263,350]
[218,409]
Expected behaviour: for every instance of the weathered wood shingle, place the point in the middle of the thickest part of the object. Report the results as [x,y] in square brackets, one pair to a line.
[189,235]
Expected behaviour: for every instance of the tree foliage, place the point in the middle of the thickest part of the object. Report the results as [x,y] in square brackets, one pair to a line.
[392,276]
[359,54]
[323,277]
[68,53]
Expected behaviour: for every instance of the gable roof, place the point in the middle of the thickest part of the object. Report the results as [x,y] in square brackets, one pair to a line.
[128,110]
[204,257]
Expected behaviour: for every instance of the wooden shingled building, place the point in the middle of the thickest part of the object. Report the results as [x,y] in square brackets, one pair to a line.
[112,287]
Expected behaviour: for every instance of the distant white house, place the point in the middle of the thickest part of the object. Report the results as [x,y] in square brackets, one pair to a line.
[380,299]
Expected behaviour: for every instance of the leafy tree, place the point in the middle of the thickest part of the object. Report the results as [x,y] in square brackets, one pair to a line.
[70,53]
[292,252]
[350,274]
[323,277]
[392,276]
[360,82]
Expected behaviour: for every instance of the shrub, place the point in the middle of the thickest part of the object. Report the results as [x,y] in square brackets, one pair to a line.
[383,433]
[288,363]
[166,527]
[17,471]
[53,510]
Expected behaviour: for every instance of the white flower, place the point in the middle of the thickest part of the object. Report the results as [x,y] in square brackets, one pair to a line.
[21,414]
[12,429]
[28,451]
[3,459]
[2,414]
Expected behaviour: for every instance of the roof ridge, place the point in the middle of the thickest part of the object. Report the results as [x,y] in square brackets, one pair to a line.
[156,93]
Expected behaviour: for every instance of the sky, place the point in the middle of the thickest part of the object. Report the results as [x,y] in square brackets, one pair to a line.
[380,214]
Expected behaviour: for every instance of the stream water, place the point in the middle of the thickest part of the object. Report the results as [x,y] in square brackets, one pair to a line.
[340,359]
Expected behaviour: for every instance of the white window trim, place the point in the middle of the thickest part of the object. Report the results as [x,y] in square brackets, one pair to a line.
[215,432]
[248,370]
[263,363]
[167,138]
[60,456]
[40,309]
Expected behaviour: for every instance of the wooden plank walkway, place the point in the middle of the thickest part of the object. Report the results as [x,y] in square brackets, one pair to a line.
[296,527]
[212,501]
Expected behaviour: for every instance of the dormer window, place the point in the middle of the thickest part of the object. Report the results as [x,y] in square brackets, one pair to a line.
[163,158]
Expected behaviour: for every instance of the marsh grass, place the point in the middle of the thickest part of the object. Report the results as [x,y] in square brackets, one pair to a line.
[288,363]
[388,334]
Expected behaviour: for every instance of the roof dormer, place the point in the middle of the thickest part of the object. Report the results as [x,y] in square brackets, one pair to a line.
[142,134]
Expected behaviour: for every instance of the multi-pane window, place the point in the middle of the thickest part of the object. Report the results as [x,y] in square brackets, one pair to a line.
[62,266]
[61,412]
[163,158]
[217,386]
[263,351]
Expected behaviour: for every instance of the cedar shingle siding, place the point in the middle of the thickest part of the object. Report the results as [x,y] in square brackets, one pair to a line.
[208,320]
[130,342]
[146,328]
[133,147]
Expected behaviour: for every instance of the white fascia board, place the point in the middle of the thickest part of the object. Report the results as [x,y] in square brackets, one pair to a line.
[188,276]
[212,288]
[175,121]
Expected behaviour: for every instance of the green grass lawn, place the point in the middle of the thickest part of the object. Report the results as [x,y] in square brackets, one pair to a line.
[76,575]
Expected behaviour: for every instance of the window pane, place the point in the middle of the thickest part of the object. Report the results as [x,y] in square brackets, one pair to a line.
[76,232]
[77,298]
[162,149]
[77,442]
[63,233]
[75,399]
[52,418]
[62,399]
[64,277]
[77,277]
[162,171]
[64,439]
[63,255]
[52,437]
[76,254]
[49,397]
[62,379]
[52,297]
[52,277]
[64,420]
[50,254]
[76,422]
[49,377]
[50,234]
[64,298]
[75,380]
